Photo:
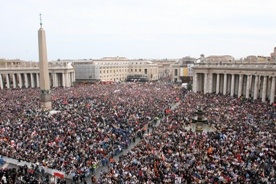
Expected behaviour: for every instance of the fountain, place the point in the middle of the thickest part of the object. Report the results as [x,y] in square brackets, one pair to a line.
[199,120]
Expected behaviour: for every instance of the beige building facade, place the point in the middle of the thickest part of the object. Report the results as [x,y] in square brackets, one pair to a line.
[114,69]
[182,69]
[164,70]
[255,81]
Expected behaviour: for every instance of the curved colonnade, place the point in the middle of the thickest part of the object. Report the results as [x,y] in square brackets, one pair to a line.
[60,75]
[255,81]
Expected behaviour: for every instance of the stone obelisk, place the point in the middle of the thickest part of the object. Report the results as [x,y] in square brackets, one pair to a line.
[44,81]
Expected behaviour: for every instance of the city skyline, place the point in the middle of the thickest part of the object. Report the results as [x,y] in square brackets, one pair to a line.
[137,28]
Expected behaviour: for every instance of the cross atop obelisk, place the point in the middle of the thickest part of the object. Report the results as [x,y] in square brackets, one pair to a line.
[45,92]
[40,20]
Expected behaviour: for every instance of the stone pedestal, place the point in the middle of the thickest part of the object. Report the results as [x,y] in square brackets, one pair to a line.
[45,100]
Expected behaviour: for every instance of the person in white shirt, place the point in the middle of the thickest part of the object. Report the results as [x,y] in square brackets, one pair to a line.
[4,179]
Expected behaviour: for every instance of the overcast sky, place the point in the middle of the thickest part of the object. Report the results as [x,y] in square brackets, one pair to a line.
[137,28]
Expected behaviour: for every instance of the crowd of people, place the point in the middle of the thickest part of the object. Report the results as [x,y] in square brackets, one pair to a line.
[91,124]
[23,174]
[241,149]
[88,124]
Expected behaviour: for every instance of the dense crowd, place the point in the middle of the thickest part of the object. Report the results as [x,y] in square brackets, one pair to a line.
[23,174]
[93,123]
[90,123]
[241,149]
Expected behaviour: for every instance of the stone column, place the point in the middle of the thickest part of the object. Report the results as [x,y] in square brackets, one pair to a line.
[232,84]
[54,79]
[268,91]
[256,87]
[264,89]
[14,81]
[225,84]
[251,87]
[63,80]
[211,83]
[32,80]
[67,79]
[205,83]
[228,88]
[58,79]
[272,91]
[217,87]
[240,85]
[71,77]
[1,82]
[195,82]
[248,86]
[37,80]
[74,78]
[26,80]
[8,81]
[20,80]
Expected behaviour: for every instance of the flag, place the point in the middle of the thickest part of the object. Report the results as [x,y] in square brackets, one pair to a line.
[59,175]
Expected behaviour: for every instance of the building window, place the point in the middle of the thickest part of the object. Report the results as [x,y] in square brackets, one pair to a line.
[175,72]
[146,71]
